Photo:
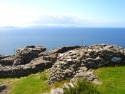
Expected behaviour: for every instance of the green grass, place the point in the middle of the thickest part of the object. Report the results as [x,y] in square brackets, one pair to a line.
[59,84]
[113,80]
[32,84]
[82,87]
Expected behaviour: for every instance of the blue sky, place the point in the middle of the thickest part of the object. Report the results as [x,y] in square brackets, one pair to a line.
[81,13]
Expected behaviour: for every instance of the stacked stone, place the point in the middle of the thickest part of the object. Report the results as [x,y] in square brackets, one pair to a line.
[64,67]
[26,54]
[34,66]
[58,50]
[24,62]
[72,62]
[6,60]
[29,59]
[78,62]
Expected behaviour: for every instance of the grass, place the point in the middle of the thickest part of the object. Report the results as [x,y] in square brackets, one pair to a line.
[32,84]
[5,80]
[113,80]
[59,84]
[81,87]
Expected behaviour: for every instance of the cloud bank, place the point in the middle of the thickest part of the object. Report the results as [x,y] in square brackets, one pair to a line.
[14,14]
[62,20]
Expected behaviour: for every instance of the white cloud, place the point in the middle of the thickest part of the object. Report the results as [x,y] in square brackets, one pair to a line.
[62,20]
[14,14]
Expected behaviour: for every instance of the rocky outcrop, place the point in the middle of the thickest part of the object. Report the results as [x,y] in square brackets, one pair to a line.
[80,62]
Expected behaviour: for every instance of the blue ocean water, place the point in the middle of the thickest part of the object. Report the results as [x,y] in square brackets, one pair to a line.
[11,39]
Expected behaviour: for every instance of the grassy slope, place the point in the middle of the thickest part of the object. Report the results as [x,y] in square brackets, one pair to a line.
[32,84]
[113,80]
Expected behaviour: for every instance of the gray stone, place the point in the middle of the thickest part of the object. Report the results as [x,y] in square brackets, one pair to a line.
[92,77]
[97,82]
[2,87]
[25,54]
[79,75]
[83,68]
[67,64]
[80,60]
[57,91]
[116,59]
[74,57]
[67,85]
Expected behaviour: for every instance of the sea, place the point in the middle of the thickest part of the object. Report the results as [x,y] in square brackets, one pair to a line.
[13,38]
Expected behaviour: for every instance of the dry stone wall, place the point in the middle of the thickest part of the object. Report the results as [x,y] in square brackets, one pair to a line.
[29,59]
[6,60]
[23,62]
[79,62]
[65,62]
[26,54]
[22,70]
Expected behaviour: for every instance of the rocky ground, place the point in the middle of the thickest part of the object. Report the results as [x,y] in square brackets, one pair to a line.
[65,62]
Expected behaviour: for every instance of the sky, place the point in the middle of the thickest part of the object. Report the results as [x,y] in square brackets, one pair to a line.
[79,13]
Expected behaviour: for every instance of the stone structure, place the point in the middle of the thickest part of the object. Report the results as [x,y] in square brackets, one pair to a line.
[80,62]
[34,66]
[26,54]
[29,59]
[6,60]
[72,62]
[65,62]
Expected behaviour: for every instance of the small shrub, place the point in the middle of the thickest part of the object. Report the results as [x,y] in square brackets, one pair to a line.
[44,76]
[81,87]
[59,84]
